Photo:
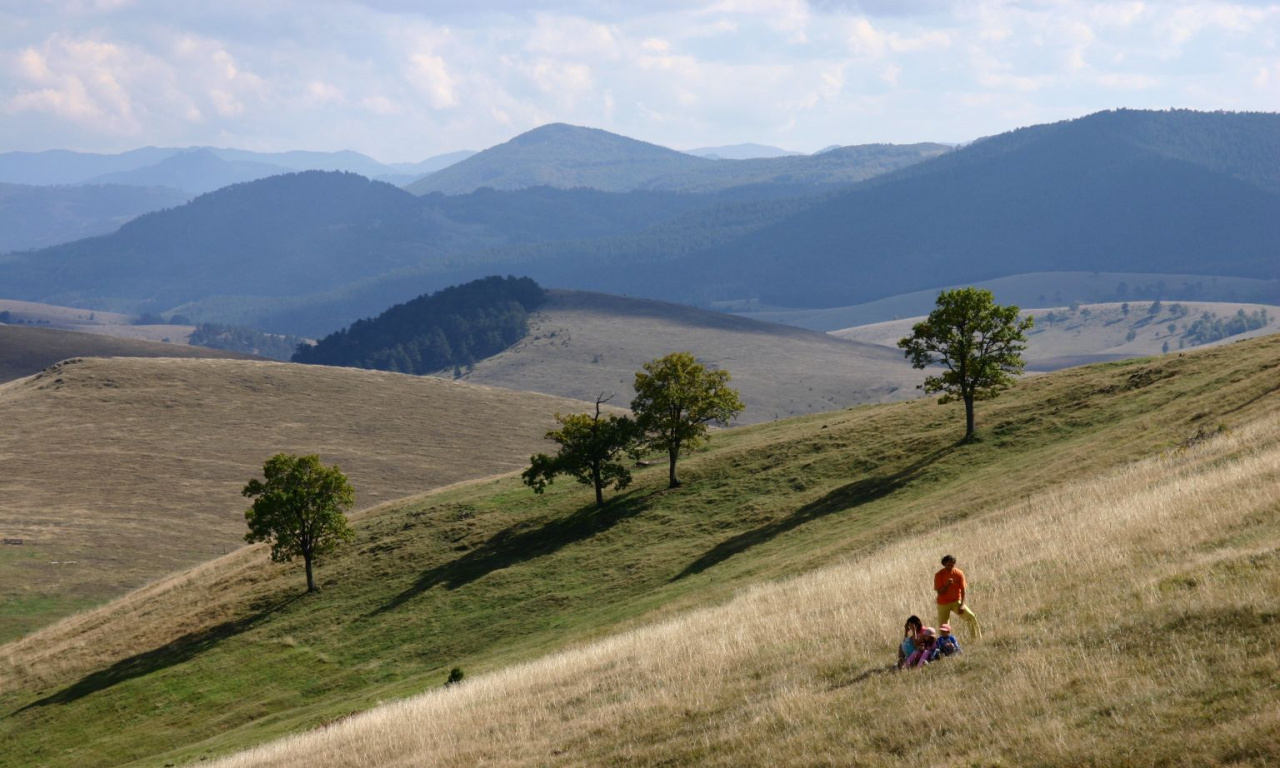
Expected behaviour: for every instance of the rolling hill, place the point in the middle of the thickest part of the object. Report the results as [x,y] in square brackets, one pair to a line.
[583,633]
[1095,333]
[1124,191]
[583,344]
[37,217]
[559,155]
[194,171]
[120,470]
[27,350]
[311,232]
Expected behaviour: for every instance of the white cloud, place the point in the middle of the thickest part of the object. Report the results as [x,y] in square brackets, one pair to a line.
[431,76]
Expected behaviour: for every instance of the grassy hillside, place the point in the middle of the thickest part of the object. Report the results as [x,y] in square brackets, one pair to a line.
[1037,289]
[1094,333]
[581,344]
[118,471]
[27,350]
[487,575]
[1128,622]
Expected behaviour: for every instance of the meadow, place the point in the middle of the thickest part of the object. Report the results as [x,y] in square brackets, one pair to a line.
[488,577]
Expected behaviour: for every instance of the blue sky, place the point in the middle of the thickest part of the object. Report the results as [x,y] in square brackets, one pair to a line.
[403,80]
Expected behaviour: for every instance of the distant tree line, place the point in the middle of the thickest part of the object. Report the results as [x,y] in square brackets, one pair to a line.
[452,328]
[1209,327]
[248,340]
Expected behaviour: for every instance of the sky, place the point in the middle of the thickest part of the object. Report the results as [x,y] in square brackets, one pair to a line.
[402,80]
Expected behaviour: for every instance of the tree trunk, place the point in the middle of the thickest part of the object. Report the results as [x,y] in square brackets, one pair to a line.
[595,480]
[674,453]
[311,582]
[968,418]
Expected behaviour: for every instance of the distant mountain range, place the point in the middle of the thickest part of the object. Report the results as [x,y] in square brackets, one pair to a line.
[200,169]
[741,152]
[36,217]
[1175,192]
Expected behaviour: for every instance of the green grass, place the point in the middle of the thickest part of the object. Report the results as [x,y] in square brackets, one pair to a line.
[490,574]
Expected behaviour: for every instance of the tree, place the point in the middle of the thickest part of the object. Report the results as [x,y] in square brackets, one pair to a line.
[589,449]
[979,342]
[676,398]
[299,509]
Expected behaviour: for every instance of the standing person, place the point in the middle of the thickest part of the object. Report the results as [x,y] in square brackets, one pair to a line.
[951,588]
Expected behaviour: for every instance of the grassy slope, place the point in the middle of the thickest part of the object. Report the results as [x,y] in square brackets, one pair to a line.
[1037,289]
[25,350]
[1127,622]
[489,574]
[131,468]
[1099,336]
[582,344]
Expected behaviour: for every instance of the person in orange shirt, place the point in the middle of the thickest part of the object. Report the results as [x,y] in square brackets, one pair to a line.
[951,588]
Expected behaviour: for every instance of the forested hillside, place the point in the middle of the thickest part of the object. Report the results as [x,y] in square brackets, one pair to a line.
[454,327]
[37,217]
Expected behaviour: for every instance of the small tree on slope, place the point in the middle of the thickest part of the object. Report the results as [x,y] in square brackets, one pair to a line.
[676,397]
[589,451]
[979,342]
[298,507]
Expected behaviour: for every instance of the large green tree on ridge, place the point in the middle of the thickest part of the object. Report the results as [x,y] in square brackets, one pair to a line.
[676,398]
[298,507]
[590,446]
[979,342]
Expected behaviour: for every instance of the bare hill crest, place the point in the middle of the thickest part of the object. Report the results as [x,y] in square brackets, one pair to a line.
[581,344]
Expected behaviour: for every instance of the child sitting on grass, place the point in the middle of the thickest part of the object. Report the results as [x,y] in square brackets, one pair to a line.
[925,641]
[908,644]
[947,643]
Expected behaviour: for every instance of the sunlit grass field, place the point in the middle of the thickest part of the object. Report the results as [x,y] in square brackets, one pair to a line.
[487,575]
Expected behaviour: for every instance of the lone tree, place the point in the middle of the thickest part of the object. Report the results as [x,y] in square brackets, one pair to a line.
[978,341]
[299,509]
[676,397]
[590,446]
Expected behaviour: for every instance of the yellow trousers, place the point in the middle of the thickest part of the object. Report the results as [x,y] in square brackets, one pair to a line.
[946,609]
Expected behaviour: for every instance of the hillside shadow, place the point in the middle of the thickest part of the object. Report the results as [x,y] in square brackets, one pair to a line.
[512,545]
[841,499]
[178,651]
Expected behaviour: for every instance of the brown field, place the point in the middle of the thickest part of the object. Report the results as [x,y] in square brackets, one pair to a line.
[582,344]
[1100,337]
[92,321]
[120,470]
[1129,621]
[27,350]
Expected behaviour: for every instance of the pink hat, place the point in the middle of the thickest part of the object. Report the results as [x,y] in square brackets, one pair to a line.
[945,629]
[927,631]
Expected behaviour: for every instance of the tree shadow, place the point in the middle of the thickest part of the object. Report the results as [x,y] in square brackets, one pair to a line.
[176,652]
[517,544]
[839,500]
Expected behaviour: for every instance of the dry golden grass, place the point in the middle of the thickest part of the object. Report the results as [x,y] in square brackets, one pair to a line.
[120,470]
[93,321]
[27,350]
[1130,619]
[582,344]
[1080,340]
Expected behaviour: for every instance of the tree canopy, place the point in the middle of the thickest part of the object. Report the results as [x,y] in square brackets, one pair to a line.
[676,398]
[977,341]
[590,446]
[298,507]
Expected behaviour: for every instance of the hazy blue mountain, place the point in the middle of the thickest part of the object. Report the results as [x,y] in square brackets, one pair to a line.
[741,152]
[431,164]
[300,160]
[61,166]
[195,170]
[313,232]
[799,173]
[563,156]
[36,217]
[1168,192]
